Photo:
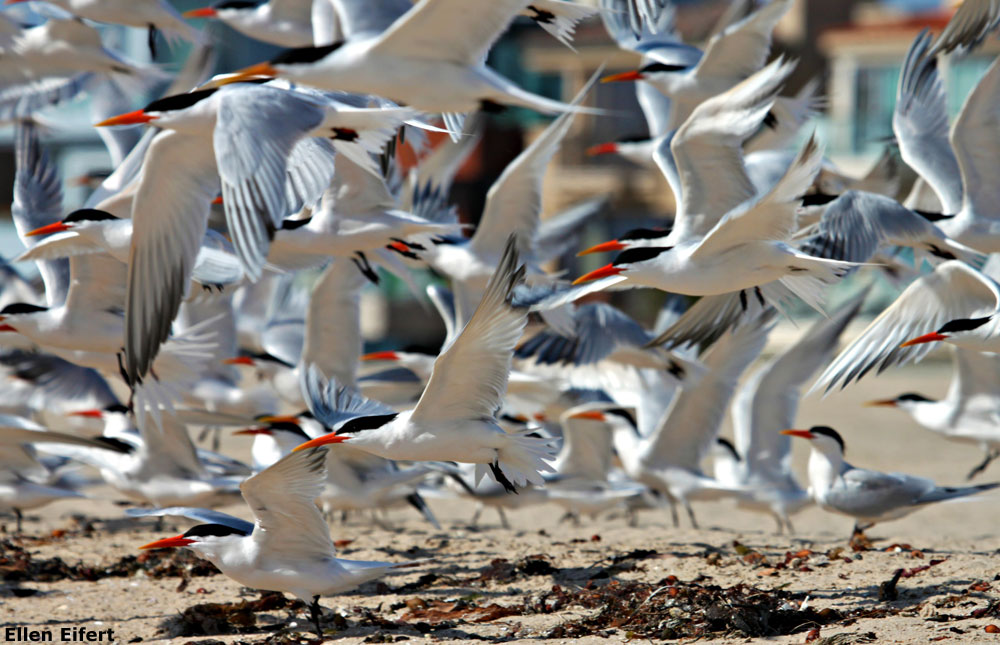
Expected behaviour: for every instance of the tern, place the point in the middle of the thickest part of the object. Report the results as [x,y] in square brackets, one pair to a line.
[956,167]
[869,496]
[454,420]
[731,56]
[957,301]
[288,547]
[969,412]
[430,58]
[287,23]
[205,138]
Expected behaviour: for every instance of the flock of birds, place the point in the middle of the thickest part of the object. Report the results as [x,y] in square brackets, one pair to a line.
[213,280]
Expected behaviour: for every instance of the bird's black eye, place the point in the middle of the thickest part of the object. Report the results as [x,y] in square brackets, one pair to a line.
[827,431]
[662,67]
[88,215]
[304,54]
[217,530]
[22,308]
[640,254]
[912,396]
[960,324]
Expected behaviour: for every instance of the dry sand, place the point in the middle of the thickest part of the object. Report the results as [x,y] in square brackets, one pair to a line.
[934,604]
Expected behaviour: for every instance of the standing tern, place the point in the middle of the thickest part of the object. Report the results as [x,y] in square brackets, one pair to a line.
[288,547]
[455,418]
[869,496]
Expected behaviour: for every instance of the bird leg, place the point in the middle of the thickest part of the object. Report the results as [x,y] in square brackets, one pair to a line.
[690,512]
[858,534]
[19,517]
[315,611]
[475,516]
[503,518]
[991,454]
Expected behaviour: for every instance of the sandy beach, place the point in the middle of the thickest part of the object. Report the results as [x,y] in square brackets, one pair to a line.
[732,581]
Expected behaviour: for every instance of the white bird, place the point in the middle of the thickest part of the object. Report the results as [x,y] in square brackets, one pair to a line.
[430,58]
[214,136]
[969,411]
[732,55]
[287,23]
[725,237]
[25,482]
[957,167]
[765,404]
[957,301]
[869,496]
[454,420]
[668,458]
[155,15]
[288,546]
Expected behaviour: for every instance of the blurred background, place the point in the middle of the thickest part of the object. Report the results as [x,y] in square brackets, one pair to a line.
[854,49]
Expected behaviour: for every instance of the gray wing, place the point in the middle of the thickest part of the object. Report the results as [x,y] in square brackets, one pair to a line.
[559,233]
[20,101]
[514,201]
[969,26]
[656,39]
[857,224]
[870,494]
[204,515]
[37,202]
[257,128]
[333,323]
[766,403]
[310,170]
[690,425]
[169,217]
[599,330]
[333,404]
[59,380]
[975,137]
[920,122]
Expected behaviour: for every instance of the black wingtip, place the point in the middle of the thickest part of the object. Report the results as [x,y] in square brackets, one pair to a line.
[502,479]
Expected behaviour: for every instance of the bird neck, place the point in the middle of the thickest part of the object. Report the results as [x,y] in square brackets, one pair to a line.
[824,468]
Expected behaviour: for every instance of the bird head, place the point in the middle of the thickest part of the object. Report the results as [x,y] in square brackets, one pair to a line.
[170,111]
[952,329]
[645,73]
[823,438]
[81,219]
[286,63]
[285,426]
[207,539]
[908,399]
[635,238]
[18,313]
[628,260]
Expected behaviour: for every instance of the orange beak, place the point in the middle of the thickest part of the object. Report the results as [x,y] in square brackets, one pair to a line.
[260,69]
[381,356]
[634,75]
[605,271]
[204,12]
[926,338]
[14,1]
[7,328]
[168,543]
[90,414]
[217,200]
[333,437]
[804,434]
[238,360]
[54,227]
[129,118]
[398,246]
[593,415]
[888,403]
[602,149]
[603,247]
